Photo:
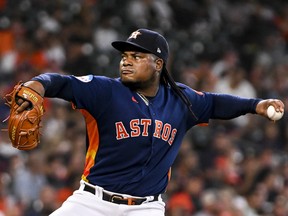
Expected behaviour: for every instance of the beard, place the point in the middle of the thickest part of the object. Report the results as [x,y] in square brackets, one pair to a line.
[144,79]
[135,85]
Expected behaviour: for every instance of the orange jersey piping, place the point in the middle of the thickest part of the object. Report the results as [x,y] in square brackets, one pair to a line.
[93,135]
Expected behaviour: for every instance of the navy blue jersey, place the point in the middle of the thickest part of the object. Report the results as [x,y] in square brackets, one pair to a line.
[132,141]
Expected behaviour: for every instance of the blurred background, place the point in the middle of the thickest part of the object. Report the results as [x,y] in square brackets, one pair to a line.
[232,168]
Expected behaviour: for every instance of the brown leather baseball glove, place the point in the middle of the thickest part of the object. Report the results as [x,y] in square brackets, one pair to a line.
[23,127]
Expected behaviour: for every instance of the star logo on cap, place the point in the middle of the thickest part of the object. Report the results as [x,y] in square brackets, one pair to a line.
[135,34]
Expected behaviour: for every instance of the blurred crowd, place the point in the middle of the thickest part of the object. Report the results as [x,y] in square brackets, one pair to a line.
[230,168]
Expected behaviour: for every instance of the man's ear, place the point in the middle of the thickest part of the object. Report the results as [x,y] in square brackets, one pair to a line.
[159,64]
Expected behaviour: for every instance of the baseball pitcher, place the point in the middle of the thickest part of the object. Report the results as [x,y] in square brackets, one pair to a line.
[134,126]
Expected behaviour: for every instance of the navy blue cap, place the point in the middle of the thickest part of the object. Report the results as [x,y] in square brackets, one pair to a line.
[146,41]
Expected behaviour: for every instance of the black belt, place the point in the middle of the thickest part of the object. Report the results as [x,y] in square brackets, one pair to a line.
[118,199]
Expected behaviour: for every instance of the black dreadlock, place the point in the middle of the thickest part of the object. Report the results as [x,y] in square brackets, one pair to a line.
[167,79]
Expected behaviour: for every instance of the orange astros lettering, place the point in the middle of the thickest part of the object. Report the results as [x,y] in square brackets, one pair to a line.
[140,127]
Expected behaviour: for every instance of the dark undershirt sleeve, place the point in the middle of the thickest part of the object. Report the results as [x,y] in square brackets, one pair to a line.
[228,106]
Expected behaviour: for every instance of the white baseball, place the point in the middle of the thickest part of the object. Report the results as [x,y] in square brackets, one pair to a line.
[273,114]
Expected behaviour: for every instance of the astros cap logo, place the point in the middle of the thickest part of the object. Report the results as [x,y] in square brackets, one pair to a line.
[134,34]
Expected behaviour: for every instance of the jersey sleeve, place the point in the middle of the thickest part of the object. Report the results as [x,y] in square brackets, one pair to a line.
[91,92]
[84,92]
[207,105]
[202,105]
[56,85]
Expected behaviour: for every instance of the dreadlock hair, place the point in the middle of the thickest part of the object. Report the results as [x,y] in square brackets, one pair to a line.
[167,79]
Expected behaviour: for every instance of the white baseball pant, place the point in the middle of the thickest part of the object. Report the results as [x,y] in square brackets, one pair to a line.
[85,203]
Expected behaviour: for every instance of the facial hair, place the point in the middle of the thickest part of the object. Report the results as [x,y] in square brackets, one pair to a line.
[137,85]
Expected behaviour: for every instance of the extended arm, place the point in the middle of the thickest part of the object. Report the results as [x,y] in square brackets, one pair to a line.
[228,106]
[49,85]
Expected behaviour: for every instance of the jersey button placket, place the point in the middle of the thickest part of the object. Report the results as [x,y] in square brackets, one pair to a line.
[151,109]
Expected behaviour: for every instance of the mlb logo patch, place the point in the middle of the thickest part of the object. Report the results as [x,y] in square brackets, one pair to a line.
[85,79]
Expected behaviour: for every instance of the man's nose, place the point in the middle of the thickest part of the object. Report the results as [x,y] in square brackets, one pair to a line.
[126,61]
